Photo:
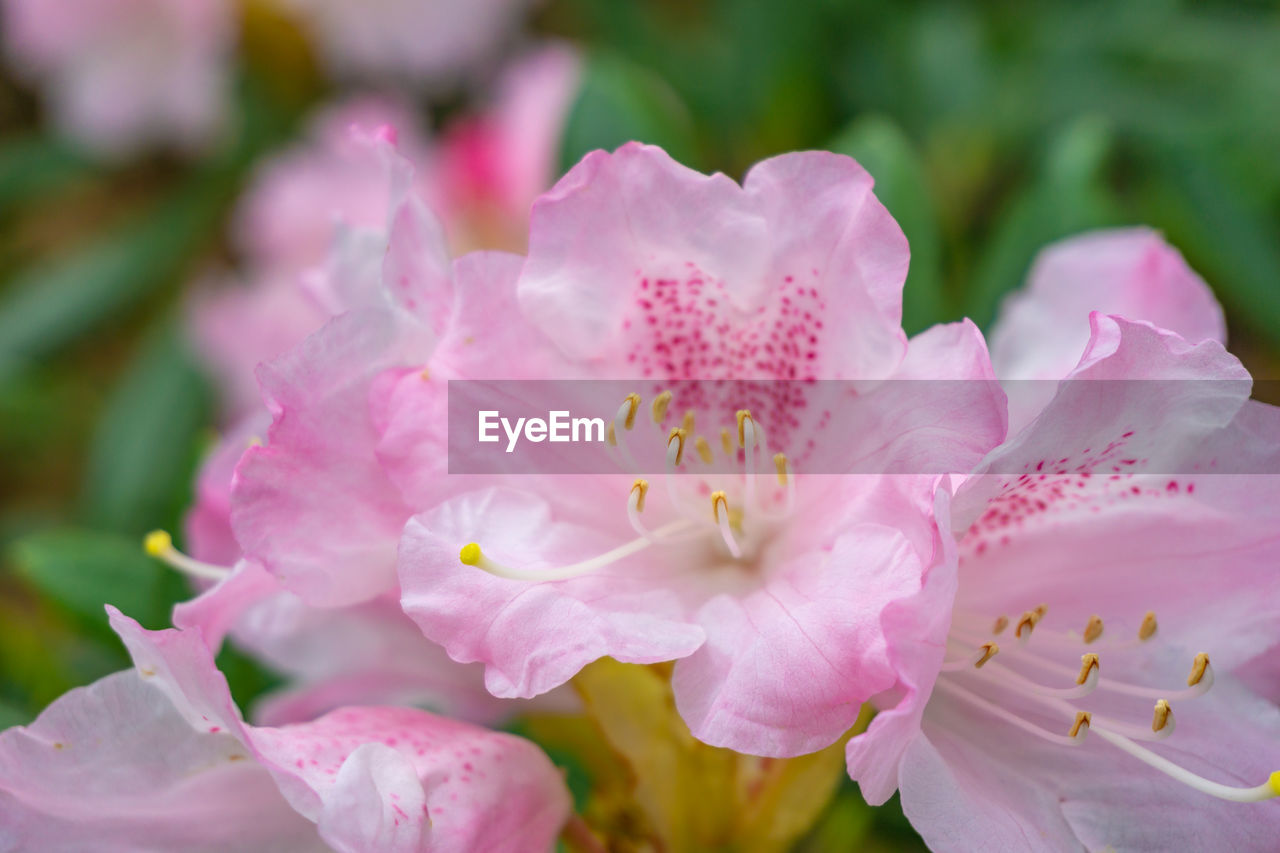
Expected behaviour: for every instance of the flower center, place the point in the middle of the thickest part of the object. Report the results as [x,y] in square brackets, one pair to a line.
[998,678]
[736,513]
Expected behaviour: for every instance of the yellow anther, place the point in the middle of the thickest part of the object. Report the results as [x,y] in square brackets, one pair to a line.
[989,650]
[677,435]
[1088,663]
[633,399]
[1026,623]
[1001,623]
[470,555]
[1274,782]
[641,486]
[725,441]
[717,500]
[780,462]
[425,374]
[1040,611]
[1093,630]
[743,415]
[686,423]
[660,404]
[611,436]
[704,449]
[1198,668]
[157,543]
[1148,627]
[254,441]
[1082,721]
[1161,717]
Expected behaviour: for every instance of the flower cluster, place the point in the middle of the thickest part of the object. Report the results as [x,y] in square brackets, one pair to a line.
[1043,577]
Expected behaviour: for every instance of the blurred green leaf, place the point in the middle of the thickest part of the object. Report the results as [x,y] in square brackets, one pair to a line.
[30,165]
[83,569]
[1226,238]
[11,715]
[144,451]
[903,187]
[619,102]
[1067,196]
[47,307]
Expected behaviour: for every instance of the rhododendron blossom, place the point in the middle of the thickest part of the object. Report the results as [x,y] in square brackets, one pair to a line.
[1069,685]
[160,759]
[118,73]
[422,41]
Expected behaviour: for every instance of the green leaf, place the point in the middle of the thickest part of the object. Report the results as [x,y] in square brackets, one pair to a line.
[30,165]
[145,448]
[902,186]
[619,102]
[82,570]
[12,715]
[1066,197]
[49,306]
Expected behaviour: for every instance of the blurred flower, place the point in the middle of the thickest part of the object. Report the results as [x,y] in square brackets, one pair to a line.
[419,41]
[160,759]
[357,446]
[121,73]
[325,203]
[1111,549]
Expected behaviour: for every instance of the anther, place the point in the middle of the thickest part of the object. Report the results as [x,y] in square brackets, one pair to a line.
[704,449]
[686,423]
[678,436]
[660,404]
[610,436]
[639,489]
[1162,716]
[1081,724]
[725,441]
[718,499]
[780,462]
[744,417]
[989,650]
[1001,623]
[1199,668]
[1027,623]
[1040,611]
[632,402]
[1088,666]
[1093,630]
[157,543]
[1148,627]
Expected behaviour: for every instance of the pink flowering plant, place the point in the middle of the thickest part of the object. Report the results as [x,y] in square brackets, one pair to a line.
[567,496]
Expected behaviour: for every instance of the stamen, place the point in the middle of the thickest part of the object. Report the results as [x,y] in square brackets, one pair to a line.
[1265,791]
[1086,684]
[726,442]
[1093,630]
[631,404]
[686,423]
[984,653]
[1080,726]
[780,462]
[1147,629]
[1026,624]
[159,544]
[718,499]
[610,436]
[660,404]
[639,489]
[947,686]
[1199,670]
[676,437]
[1088,668]
[704,449]
[788,481]
[1163,716]
[746,428]
[1001,623]
[635,506]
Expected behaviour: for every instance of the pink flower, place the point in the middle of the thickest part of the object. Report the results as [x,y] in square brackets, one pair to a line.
[119,73]
[160,759]
[796,274]
[420,41]
[1110,550]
